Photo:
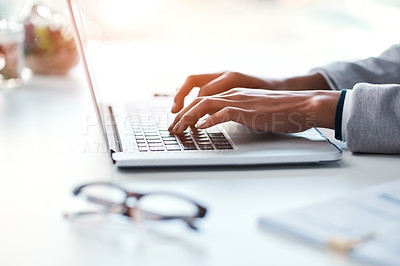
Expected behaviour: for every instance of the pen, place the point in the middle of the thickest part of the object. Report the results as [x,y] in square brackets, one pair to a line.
[346,244]
[156,94]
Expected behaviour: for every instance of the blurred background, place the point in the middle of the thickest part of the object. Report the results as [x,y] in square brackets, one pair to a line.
[165,40]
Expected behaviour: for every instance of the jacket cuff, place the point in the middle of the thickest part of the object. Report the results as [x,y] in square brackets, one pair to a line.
[339,115]
[347,107]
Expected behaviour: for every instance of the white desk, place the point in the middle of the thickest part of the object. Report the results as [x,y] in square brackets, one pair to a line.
[43,155]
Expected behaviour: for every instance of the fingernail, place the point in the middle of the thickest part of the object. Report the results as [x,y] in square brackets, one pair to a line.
[201,124]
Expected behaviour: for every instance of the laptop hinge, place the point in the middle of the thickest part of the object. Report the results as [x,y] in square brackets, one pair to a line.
[112,134]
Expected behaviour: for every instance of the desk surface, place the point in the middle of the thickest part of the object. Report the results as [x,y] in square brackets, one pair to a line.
[49,143]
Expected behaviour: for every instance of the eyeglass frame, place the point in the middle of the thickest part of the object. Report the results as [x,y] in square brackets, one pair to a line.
[129,211]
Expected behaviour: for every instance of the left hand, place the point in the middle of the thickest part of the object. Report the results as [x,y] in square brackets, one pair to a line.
[262,110]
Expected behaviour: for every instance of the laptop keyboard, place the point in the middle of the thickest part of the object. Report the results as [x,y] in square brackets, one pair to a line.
[150,129]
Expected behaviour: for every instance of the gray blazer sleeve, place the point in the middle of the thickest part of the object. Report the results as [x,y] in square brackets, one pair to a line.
[373,125]
[383,69]
[374,121]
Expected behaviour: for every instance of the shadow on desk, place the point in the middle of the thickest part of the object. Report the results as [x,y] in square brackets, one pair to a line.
[135,173]
[233,167]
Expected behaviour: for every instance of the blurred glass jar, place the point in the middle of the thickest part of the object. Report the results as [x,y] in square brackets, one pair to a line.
[49,42]
[11,54]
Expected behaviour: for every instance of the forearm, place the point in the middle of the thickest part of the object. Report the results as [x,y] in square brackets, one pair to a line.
[314,81]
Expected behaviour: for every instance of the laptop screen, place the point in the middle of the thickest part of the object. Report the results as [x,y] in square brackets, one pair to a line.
[78,24]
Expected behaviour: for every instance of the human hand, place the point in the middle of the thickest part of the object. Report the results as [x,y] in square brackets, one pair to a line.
[211,84]
[262,110]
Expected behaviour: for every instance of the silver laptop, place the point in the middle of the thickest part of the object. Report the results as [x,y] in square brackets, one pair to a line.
[136,134]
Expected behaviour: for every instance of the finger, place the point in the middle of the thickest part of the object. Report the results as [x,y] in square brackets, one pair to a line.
[190,83]
[183,111]
[224,115]
[223,83]
[205,106]
[229,80]
[233,97]
[178,117]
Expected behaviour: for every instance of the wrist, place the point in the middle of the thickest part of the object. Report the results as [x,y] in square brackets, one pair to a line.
[323,104]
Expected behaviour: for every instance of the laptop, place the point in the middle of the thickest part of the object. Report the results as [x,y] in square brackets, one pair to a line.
[136,133]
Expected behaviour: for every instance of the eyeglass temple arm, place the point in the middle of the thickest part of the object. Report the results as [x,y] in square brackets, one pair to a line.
[100,201]
[123,210]
[187,219]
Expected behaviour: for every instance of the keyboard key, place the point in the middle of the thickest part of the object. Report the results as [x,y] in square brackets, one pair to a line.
[168,138]
[154,141]
[189,146]
[156,148]
[223,146]
[199,134]
[173,147]
[206,147]
[218,139]
[155,144]
[205,141]
[187,142]
[184,138]
[153,137]
[170,142]
[219,135]
[143,149]
[204,137]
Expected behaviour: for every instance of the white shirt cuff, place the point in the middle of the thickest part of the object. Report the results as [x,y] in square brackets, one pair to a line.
[347,106]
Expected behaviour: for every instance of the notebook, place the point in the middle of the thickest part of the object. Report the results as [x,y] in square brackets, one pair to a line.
[365,225]
[136,133]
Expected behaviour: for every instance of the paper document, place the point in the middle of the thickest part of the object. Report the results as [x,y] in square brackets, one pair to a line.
[365,225]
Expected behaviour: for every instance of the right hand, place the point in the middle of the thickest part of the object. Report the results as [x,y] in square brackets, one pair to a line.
[261,110]
[211,84]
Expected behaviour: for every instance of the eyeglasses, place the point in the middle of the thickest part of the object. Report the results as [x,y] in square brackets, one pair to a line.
[95,201]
